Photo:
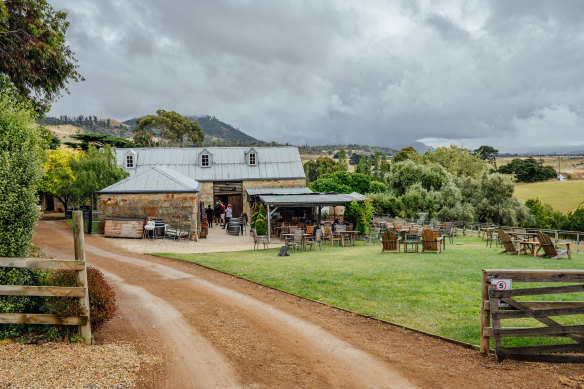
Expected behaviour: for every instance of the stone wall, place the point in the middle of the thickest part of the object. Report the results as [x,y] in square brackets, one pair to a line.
[206,194]
[170,207]
[298,183]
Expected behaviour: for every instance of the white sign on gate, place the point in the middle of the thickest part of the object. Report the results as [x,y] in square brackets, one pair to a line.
[502,284]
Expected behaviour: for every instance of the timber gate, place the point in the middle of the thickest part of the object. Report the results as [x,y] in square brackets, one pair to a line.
[499,303]
[78,265]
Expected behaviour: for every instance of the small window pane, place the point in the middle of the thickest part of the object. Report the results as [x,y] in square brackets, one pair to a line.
[130,161]
[252,159]
[204,160]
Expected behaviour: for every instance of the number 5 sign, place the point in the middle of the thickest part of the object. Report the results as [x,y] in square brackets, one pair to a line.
[502,284]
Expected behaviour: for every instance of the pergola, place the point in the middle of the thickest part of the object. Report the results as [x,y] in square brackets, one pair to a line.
[308,200]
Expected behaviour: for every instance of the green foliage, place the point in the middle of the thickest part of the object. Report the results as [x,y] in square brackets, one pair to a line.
[94,170]
[544,215]
[377,187]
[359,213]
[385,203]
[170,128]
[458,161]
[404,174]
[261,227]
[259,215]
[528,170]
[33,53]
[99,140]
[20,175]
[575,219]
[102,297]
[360,183]
[58,178]
[344,182]
[315,169]
[343,160]
[487,153]
[405,154]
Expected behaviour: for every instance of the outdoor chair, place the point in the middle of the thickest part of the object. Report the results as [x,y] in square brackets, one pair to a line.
[507,243]
[149,229]
[310,230]
[489,238]
[449,231]
[431,240]
[257,240]
[373,235]
[390,242]
[160,228]
[186,231]
[314,240]
[550,250]
[172,232]
[331,237]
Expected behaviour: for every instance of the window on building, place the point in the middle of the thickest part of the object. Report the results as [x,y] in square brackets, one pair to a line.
[205,160]
[130,161]
[252,159]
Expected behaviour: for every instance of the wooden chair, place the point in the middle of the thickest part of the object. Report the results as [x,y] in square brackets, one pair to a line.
[257,240]
[390,242]
[507,243]
[550,250]
[331,237]
[431,241]
[298,241]
[314,240]
[310,230]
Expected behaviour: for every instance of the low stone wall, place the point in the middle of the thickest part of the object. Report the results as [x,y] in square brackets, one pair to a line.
[170,207]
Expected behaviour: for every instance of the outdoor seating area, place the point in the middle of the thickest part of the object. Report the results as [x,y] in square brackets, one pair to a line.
[158,229]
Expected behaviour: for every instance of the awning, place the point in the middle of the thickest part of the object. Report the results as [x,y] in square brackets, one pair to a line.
[311,200]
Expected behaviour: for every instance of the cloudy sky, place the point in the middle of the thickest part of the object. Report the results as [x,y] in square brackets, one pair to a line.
[504,73]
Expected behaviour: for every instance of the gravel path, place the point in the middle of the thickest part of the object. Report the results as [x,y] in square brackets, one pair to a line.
[217,241]
[214,330]
[59,365]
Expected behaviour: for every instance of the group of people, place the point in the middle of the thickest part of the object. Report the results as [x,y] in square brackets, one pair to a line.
[221,213]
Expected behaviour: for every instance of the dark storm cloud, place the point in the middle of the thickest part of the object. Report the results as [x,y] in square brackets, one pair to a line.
[330,71]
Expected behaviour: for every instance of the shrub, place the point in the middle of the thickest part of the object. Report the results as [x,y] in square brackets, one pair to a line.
[102,298]
[261,227]
[575,219]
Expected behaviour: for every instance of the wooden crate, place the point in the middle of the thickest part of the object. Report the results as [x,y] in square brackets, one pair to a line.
[124,228]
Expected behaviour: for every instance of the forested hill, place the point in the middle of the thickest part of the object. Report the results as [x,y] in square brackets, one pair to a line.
[91,125]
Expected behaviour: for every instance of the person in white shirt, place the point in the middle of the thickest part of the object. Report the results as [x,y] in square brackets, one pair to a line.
[228,215]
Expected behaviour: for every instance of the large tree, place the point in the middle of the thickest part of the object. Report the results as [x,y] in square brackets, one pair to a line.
[488,153]
[58,179]
[33,54]
[167,128]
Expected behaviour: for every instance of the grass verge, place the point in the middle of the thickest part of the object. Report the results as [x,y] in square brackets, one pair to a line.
[437,293]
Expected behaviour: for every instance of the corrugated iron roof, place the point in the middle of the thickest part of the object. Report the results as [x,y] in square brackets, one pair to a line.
[155,179]
[278,191]
[314,199]
[227,163]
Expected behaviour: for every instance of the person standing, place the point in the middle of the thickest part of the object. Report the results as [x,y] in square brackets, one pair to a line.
[209,213]
[228,214]
[217,212]
[223,214]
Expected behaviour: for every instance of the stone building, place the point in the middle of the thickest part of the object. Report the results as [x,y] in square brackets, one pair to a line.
[155,191]
[225,173]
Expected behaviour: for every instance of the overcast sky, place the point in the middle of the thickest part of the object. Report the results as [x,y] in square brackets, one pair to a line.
[504,73]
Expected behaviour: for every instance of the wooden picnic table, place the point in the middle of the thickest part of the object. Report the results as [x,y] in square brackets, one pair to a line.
[529,247]
[347,235]
[529,236]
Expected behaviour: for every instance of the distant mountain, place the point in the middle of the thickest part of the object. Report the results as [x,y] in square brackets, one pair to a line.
[418,146]
[217,133]
[91,125]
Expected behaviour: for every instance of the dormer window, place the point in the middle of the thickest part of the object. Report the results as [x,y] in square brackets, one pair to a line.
[251,157]
[130,162]
[205,158]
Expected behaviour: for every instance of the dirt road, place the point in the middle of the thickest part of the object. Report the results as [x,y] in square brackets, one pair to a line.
[216,330]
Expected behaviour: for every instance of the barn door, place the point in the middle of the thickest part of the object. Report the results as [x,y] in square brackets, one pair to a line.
[236,204]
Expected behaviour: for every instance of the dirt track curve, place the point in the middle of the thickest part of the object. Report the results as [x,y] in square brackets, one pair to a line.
[214,330]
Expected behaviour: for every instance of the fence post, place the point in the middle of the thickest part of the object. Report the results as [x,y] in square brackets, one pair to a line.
[485,315]
[79,244]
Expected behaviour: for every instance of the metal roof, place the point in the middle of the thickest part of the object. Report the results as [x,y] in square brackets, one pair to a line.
[227,163]
[277,191]
[155,179]
[310,200]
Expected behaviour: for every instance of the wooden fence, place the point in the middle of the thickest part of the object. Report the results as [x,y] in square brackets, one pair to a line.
[81,292]
[498,305]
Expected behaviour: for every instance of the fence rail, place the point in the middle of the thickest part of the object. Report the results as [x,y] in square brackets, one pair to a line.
[498,305]
[78,265]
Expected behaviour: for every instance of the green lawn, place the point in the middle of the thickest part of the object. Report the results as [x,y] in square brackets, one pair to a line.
[563,196]
[438,293]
